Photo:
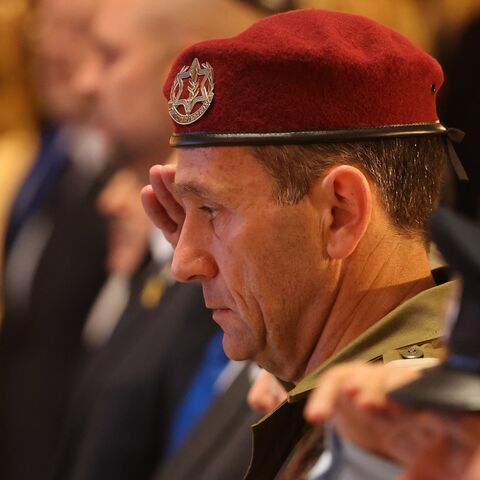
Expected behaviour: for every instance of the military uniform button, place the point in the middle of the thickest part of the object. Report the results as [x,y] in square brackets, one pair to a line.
[411,352]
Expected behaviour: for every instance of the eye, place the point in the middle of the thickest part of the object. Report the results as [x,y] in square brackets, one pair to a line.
[211,212]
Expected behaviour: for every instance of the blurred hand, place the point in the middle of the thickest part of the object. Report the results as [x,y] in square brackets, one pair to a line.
[353,396]
[440,460]
[128,228]
[473,470]
[453,454]
[160,203]
[460,455]
[266,393]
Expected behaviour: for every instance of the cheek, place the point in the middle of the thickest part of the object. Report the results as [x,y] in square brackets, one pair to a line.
[120,81]
[247,277]
[248,259]
[123,87]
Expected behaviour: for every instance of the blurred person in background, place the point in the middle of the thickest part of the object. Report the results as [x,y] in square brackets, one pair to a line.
[134,369]
[152,368]
[54,249]
[18,115]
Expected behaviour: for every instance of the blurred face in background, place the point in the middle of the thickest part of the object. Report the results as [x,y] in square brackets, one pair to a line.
[122,76]
[125,73]
[58,37]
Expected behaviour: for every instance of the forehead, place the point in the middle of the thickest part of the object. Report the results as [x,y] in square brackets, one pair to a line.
[54,19]
[71,10]
[116,20]
[225,169]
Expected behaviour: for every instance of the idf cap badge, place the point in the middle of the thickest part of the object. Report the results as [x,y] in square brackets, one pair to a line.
[191,92]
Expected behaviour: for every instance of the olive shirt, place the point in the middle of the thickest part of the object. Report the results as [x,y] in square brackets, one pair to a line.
[416,322]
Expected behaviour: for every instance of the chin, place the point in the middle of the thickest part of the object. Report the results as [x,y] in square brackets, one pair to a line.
[234,350]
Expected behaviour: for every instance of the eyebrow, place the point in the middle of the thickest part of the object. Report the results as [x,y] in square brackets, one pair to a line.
[182,189]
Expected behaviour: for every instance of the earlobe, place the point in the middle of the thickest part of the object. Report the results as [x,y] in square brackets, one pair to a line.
[349,197]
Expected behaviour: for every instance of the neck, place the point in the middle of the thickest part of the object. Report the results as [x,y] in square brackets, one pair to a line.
[370,286]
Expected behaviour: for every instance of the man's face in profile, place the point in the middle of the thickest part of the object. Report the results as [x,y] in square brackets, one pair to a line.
[260,262]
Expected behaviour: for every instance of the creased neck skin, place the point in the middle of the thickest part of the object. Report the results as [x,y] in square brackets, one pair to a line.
[371,284]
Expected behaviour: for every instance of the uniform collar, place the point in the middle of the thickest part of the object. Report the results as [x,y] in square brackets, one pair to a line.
[414,321]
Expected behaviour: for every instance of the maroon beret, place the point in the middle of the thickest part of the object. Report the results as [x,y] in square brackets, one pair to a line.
[303,76]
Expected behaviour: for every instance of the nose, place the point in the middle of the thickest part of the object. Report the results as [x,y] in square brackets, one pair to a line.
[192,259]
[87,79]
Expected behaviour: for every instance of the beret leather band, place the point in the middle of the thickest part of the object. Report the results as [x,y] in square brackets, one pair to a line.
[209,139]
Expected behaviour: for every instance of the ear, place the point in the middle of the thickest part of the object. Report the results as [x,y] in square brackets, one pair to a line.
[348,197]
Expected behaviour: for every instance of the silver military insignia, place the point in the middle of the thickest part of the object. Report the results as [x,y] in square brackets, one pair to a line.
[191,93]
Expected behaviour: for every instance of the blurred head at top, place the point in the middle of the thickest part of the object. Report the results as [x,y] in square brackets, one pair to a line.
[58,37]
[134,44]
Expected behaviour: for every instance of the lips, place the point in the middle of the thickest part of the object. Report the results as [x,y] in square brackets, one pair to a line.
[219,310]
[215,307]
[215,301]
[221,314]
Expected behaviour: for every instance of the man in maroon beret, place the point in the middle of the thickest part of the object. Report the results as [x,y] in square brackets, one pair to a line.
[310,157]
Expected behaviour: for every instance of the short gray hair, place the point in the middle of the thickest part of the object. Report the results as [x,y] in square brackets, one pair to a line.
[408,172]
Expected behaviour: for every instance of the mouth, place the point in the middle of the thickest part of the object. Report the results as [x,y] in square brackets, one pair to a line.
[220,313]
[219,309]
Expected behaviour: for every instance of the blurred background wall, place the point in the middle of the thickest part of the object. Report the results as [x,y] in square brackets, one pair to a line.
[17,109]
[423,21]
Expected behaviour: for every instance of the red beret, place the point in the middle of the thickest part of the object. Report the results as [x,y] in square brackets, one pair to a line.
[303,76]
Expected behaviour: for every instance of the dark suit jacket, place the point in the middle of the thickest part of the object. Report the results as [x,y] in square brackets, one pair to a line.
[121,410]
[40,339]
[220,446]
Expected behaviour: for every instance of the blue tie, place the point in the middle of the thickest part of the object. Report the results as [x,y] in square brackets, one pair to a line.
[199,394]
[48,165]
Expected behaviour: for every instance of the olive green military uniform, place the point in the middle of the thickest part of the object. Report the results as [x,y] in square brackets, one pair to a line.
[411,330]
